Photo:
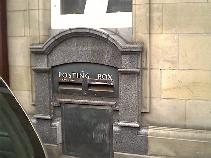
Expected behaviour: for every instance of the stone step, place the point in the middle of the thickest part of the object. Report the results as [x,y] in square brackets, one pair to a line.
[118,155]
[54,151]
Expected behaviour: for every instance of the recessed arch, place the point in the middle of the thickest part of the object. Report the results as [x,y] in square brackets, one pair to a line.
[95,47]
[114,39]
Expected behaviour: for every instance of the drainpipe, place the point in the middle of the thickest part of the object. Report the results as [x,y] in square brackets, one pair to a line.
[4,66]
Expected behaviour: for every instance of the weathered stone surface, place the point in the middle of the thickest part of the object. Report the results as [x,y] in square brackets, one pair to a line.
[154,83]
[127,155]
[141,21]
[130,61]
[25,99]
[128,100]
[168,1]
[54,151]
[145,107]
[164,51]
[19,54]
[47,132]
[39,60]
[187,18]
[20,78]
[16,19]
[130,140]
[155,18]
[44,21]
[26,24]
[34,26]
[175,142]
[198,114]
[43,38]
[89,49]
[33,4]
[136,2]
[186,84]
[14,5]
[194,52]
[42,93]
[166,112]
[45,4]
[148,19]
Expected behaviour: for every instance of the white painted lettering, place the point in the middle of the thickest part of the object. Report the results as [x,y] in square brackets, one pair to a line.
[73,74]
[99,76]
[104,76]
[110,77]
[86,76]
[60,74]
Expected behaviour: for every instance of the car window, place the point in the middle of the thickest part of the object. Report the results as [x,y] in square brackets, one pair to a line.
[18,138]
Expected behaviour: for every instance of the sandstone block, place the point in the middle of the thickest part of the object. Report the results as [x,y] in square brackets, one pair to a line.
[187,18]
[33,4]
[198,114]
[20,78]
[19,54]
[13,5]
[186,84]
[45,4]
[34,24]
[164,51]
[16,23]
[148,19]
[194,52]
[25,99]
[166,112]
[44,21]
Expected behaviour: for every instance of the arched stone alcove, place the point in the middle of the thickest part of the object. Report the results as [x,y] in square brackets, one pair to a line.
[83,45]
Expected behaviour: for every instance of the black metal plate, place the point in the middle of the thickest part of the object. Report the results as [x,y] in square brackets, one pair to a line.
[87,131]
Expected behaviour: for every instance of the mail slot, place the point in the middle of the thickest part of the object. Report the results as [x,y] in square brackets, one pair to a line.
[101,86]
[86,79]
[70,87]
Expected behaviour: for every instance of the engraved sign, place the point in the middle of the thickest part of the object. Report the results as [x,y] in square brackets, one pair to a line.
[65,76]
[85,79]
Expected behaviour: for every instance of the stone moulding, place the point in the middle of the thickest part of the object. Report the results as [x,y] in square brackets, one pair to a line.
[41,69]
[88,102]
[120,43]
[129,71]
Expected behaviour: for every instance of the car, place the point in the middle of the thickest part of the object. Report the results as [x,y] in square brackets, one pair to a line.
[18,138]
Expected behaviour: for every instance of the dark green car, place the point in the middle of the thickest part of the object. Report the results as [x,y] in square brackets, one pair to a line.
[18,138]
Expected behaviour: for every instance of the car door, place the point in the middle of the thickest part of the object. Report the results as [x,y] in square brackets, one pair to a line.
[18,138]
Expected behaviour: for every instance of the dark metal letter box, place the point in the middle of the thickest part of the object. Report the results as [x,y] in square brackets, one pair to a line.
[87,131]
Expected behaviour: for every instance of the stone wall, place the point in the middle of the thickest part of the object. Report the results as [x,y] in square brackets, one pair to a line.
[177,75]
[178,41]
[28,22]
